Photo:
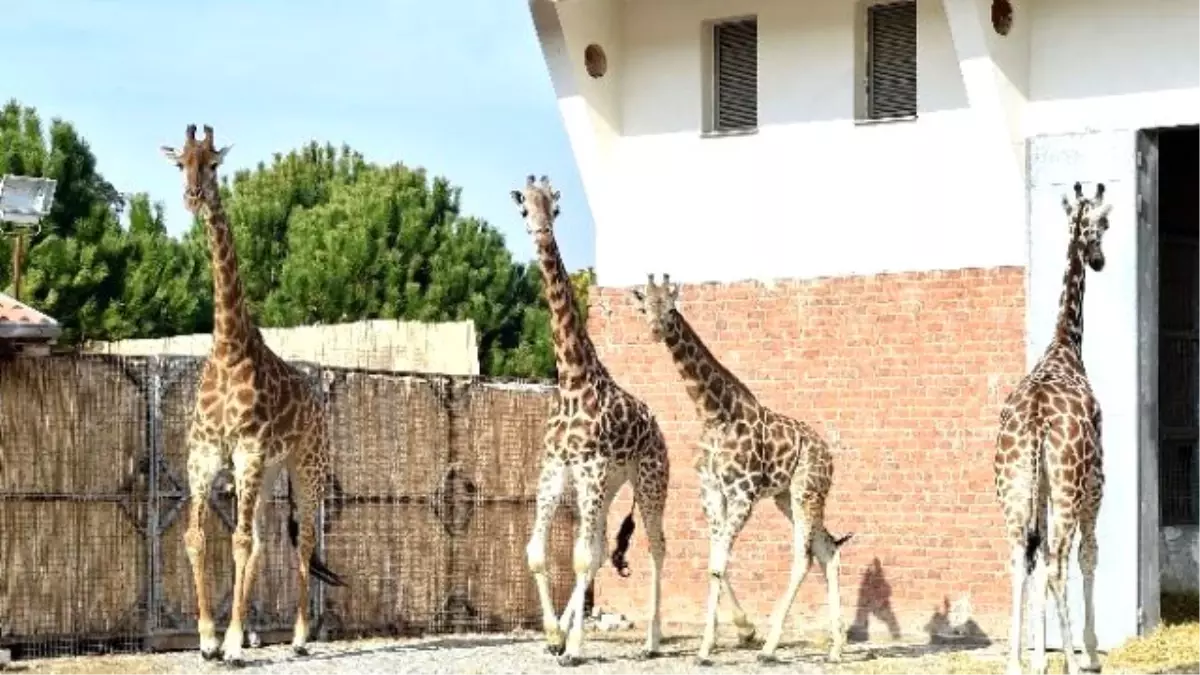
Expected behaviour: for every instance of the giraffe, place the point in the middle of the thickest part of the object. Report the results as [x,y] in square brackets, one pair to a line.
[253,411]
[1048,453]
[747,453]
[598,438]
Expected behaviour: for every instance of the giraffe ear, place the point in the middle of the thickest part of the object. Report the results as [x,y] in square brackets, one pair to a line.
[1066,204]
[172,154]
[517,197]
[673,289]
[1100,212]
[637,294]
[220,157]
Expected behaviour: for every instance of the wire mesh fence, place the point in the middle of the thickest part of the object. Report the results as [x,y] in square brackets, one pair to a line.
[426,517]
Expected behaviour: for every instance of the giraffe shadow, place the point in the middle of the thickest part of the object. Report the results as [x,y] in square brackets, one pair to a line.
[945,630]
[874,601]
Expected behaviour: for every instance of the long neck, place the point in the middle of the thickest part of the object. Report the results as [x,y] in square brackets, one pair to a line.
[232,328]
[1069,328]
[715,391]
[574,353]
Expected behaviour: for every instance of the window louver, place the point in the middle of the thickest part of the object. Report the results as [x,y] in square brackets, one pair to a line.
[892,78]
[735,52]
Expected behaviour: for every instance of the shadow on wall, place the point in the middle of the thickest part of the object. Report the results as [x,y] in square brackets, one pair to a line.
[951,624]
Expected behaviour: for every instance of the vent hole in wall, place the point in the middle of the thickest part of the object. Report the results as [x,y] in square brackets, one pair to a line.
[1002,16]
[594,61]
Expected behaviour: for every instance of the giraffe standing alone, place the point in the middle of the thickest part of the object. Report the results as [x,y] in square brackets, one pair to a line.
[747,453]
[1048,452]
[254,411]
[598,437]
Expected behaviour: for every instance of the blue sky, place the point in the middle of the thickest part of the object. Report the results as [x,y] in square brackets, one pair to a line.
[456,86]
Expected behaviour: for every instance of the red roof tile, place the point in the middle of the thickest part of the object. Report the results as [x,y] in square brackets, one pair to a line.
[15,311]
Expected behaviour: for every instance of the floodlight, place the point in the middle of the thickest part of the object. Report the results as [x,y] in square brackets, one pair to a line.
[25,200]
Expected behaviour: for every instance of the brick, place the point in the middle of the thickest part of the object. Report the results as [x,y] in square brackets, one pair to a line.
[911,370]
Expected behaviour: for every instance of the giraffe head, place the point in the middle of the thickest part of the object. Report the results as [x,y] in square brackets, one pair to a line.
[656,302]
[1089,222]
[198,160]
[538,204]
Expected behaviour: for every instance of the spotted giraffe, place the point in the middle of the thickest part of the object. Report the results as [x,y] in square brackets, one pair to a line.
[1048,453]
[253,411]
[747,453]
[598,438]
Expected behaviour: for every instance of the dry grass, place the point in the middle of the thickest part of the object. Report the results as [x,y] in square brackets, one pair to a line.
[1173,647]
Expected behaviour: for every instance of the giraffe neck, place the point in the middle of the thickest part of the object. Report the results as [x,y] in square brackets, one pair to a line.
[574,354]
[1069,328]
[716,392]
[232,328]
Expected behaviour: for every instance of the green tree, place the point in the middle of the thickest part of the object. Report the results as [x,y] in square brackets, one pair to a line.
[72,265]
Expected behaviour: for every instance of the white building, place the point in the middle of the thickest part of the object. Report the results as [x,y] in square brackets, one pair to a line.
[722,140]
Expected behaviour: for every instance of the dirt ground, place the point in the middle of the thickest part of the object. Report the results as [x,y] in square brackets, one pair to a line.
[604,653]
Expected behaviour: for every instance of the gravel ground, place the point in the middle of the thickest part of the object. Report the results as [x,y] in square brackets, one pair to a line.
[524,653]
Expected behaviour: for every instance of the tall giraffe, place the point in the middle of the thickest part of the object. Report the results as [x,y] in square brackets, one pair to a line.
[747,453]
[598,437]
[253,411]
[1048,452]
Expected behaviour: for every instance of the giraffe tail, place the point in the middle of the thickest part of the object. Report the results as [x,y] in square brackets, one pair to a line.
[316,566]
[1033,533]
[623,537]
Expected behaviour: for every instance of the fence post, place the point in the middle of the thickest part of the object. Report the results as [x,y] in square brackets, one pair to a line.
[154,536]
[316,600]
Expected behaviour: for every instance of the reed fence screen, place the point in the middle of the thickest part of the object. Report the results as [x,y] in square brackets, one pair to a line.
[428,511]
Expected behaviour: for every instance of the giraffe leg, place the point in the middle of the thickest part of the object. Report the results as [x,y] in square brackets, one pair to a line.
[830,557]
[310,482]
[747,633]
[254,563]
[1056,579]
[737,511]
[802,529]
[1020,582]
[650,494]
[248,475]
[1089,554]
[551,484]
[1036,589]
[204,462]
[588,553]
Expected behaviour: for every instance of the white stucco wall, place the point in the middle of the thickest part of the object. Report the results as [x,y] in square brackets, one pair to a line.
[814,194]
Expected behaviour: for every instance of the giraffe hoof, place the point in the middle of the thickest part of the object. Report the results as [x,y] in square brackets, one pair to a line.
[767,659]
[703,662]
[555,649]
[210,654]
[568,661]
[646,654]
[300,650]
[235,662]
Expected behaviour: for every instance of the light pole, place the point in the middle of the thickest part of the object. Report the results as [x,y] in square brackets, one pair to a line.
[24,201]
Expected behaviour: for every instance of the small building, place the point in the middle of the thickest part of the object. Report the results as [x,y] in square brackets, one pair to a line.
[25,331]
[861,203]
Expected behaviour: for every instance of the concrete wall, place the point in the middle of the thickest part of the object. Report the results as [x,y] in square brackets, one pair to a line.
[1179,557]
[449,348]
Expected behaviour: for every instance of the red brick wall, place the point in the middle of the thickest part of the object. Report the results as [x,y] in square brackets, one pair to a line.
[910,369]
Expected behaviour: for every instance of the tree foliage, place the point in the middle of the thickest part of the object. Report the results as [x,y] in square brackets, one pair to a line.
[322,236]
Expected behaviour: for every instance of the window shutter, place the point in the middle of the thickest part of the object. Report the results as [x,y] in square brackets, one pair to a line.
[892,32]
[735,52]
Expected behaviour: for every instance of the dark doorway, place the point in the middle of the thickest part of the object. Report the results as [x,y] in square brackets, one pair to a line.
[1178,329]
